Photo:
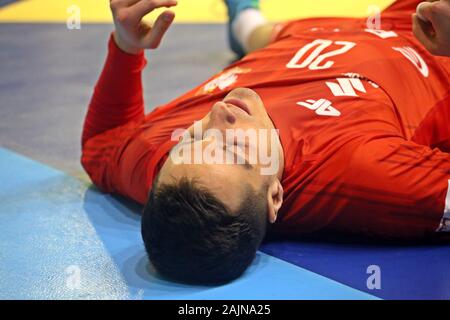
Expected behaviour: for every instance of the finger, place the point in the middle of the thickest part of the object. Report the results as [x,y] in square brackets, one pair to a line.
[425,11]
[420,30]
[441,15]
[116,4]
[144,7]
[154,37]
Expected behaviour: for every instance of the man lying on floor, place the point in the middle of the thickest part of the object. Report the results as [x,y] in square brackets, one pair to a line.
[327,125]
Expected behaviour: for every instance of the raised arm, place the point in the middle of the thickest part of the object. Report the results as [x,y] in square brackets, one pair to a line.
[118,97]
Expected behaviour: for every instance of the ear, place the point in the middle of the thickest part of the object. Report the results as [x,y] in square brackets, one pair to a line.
[274,200]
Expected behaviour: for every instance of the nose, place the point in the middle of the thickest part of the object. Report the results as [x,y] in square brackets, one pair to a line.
[221,115]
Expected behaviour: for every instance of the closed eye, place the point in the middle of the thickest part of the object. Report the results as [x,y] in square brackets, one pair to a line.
[246,164]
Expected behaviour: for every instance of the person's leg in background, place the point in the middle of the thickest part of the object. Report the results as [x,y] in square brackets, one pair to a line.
[248,30]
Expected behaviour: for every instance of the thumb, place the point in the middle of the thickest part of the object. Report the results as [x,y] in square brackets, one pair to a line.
[153,38]
[424,33]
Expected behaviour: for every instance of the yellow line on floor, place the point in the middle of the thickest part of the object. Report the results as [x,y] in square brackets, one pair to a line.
[188,11]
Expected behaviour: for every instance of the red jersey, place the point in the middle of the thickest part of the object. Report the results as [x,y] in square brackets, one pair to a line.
[360,115]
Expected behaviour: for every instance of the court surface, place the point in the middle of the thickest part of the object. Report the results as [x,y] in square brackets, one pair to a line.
[60,238]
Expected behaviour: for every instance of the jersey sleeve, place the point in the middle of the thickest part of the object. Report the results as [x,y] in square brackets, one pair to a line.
[126,159]
[113,120]
[434,130]
[117,97]
[394,189]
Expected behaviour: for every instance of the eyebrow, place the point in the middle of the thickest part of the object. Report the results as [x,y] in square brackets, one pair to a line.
[246,165]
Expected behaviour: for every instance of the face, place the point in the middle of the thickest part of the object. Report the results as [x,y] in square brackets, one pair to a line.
[239,160]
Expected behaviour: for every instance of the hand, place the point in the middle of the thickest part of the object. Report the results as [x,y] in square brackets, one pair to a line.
[132,35]
[431,26]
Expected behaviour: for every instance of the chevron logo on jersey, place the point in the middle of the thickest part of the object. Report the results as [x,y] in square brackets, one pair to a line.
[322,107]
[415,58]
[346,87]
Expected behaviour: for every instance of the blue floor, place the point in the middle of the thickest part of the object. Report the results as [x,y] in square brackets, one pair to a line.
[407,272]
[61,239]
[52,224]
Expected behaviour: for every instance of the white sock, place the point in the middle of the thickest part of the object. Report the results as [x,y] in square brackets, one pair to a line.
[245,23]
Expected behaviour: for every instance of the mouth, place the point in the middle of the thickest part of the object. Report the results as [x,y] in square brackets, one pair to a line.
[239,104]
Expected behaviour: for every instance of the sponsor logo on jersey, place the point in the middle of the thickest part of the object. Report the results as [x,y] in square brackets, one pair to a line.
[322,107]
[346,87]
[360,77]
[223,81]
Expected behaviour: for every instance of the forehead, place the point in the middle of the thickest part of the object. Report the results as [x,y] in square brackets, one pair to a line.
[227,182]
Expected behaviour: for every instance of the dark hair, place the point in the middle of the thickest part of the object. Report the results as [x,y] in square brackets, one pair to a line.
[190,235]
